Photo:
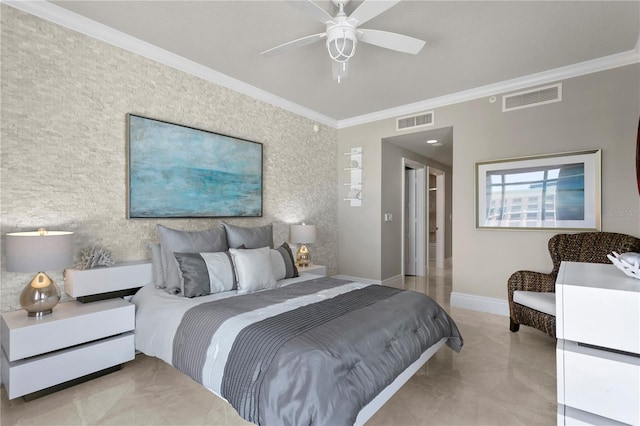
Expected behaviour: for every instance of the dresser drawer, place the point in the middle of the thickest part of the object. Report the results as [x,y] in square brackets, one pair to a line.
[601,382]
[70,324]
[569,416]
[599,316]
[34,374]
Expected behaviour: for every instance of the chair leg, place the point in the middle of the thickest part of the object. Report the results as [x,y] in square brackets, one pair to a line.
[513,326]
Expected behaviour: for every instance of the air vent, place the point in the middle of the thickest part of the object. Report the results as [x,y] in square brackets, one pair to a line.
[532,97]
[421,120]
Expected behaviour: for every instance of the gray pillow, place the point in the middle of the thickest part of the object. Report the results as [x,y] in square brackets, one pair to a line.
[283,262]
[251,238]
[171,241]
[156,265]
[206,273]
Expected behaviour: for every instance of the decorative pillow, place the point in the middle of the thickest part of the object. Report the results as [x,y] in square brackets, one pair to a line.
[251,238]
[253,269]
[171,240]
[206,273]
[156,265]
[283,263]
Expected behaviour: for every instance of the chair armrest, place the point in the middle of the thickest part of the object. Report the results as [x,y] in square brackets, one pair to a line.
[530,281]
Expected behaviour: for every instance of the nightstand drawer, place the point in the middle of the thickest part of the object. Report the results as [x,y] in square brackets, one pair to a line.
[86,282]
[599,316]
[601,382]
[313,269]
[70,324]
[31,375]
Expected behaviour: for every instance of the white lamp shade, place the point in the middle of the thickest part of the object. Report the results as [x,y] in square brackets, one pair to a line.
[36,252]
[303,234]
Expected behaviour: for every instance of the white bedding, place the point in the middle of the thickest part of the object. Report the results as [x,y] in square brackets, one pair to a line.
[158,315]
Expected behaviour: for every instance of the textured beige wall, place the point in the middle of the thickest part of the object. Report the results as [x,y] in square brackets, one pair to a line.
[598,110]
[64,101]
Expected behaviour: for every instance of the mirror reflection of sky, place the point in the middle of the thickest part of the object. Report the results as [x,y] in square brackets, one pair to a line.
[529,197]
[523,188]
[496,179]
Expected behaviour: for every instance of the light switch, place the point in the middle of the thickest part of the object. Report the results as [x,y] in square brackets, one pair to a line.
[388,217]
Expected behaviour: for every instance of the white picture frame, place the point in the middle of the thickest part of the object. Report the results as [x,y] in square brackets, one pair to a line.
[552,191]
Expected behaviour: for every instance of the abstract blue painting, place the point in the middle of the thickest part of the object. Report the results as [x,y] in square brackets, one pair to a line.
[177,171]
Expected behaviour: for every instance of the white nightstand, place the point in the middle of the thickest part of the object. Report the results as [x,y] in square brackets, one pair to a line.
[75,343]
[313,269]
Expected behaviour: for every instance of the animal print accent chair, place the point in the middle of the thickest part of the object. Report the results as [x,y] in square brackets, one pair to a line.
[591,247]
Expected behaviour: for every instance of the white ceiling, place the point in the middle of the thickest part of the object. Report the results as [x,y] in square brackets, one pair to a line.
[469,45]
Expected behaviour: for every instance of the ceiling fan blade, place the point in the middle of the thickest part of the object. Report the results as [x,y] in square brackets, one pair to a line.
[312,9]
[294,43]
[369,9]
[393,41]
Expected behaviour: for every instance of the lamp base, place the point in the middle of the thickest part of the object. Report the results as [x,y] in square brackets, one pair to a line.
[40,296]
[303,257]
[40,313]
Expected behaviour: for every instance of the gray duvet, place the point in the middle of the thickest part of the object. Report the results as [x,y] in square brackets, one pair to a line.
[312,353]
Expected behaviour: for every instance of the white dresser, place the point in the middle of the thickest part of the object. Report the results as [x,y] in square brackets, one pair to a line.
[598,351]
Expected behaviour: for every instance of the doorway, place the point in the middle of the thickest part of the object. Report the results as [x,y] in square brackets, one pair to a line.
[414,220]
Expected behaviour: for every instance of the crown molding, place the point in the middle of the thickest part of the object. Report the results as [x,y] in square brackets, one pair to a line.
[545,77]
[56,14]
[48,11]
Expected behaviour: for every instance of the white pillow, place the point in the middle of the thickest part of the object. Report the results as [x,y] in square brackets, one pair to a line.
[253,269]
[279,270]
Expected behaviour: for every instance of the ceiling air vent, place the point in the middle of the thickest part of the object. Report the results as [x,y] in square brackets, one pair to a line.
[532,97]
[421,120]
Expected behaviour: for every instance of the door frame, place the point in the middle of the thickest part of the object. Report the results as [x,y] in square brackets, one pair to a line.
[422,218]
[440,216]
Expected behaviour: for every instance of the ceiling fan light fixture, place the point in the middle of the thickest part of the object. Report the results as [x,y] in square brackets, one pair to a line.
[342,34]
[341,43]
[340,70]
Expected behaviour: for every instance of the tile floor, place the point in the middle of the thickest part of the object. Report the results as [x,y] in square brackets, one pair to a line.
[499,378]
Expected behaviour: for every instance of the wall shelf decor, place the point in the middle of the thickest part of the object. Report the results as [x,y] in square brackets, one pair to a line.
[354,184]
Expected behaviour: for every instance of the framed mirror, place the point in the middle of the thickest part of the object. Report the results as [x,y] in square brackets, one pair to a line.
[555,191]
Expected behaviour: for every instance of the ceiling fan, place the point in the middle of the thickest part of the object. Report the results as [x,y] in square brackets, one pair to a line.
[342,34]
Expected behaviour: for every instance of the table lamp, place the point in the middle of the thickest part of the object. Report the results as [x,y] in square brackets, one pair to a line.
[303,235]
[37,251]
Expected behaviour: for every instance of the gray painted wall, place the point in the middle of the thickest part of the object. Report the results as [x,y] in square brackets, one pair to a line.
[64,100]
[598,110]
[359,240]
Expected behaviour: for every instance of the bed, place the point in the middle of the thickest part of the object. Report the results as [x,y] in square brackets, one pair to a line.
[304,350]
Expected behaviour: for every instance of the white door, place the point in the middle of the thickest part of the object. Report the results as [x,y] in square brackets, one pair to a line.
[410,222]
[440,220]
[414,226]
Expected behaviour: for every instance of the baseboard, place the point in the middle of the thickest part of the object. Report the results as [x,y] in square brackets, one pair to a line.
[480,303]
[395,281]
[358,279]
